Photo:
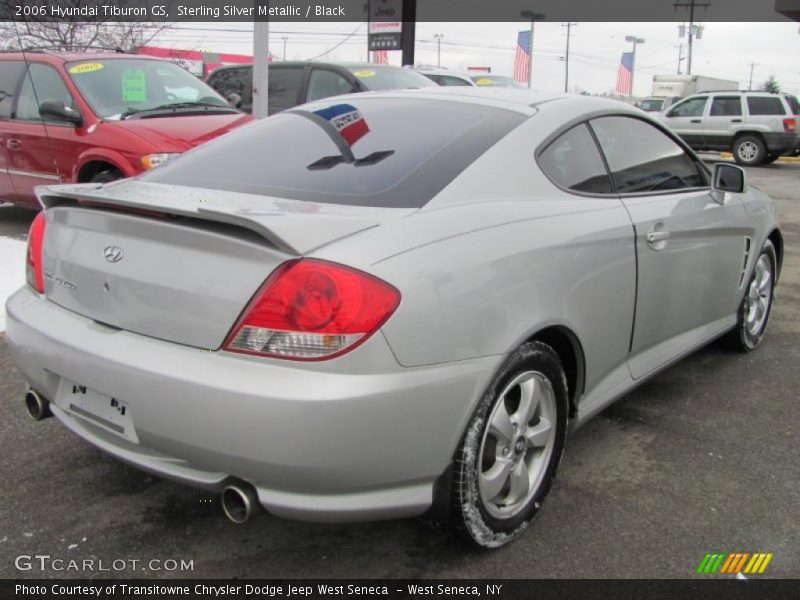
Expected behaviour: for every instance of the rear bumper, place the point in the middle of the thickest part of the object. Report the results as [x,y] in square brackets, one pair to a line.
[355,439]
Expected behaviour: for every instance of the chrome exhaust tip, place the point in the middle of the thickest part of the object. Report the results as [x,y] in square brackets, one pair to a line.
[38,408]
[239,502]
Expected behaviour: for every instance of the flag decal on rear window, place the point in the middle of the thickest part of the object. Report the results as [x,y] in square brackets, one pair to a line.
[347,120]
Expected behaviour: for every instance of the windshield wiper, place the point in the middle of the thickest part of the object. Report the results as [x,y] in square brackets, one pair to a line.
[174,105]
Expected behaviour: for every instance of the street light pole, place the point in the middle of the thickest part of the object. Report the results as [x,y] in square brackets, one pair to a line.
[635,41]
[533,16]
[438,37]
[284,38]
[260,69]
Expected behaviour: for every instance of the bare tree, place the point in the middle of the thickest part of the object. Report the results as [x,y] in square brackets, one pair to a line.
[78,36]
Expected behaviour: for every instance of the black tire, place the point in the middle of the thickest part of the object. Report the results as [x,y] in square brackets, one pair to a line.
[742,337]
[749,150]
[469,512]
[770,158]
[106,176]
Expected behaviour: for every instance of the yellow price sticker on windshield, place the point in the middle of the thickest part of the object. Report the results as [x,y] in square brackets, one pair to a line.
[483,81]
[364,73]
[85,68]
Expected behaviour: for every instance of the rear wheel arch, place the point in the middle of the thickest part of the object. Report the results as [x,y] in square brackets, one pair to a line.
[569,349]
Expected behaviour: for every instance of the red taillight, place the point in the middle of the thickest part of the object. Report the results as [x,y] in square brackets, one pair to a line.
[312,310]
[790,125]
[33,268]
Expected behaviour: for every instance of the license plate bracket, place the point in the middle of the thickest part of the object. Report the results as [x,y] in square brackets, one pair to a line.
[102,410]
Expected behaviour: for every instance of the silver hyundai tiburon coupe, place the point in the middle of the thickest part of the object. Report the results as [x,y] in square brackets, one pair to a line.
[387,305]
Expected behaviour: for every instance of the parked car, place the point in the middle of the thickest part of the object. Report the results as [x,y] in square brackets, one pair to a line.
[757,127]
[387,305]
[295,82]
[77,118]
[445,77]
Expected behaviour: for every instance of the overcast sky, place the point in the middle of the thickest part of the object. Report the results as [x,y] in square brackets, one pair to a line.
[725,50]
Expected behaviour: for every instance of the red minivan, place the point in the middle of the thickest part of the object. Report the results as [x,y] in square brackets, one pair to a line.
[74,118]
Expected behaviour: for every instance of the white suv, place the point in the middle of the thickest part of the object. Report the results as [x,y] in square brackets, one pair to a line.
[757,127]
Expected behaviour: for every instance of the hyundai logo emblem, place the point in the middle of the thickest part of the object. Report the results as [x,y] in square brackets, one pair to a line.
[113,254]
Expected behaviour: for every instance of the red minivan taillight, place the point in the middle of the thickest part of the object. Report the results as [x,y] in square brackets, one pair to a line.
[33,268]
[790,125]
[311,309]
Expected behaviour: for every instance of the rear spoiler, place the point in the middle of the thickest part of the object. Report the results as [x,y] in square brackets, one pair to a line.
[294,226]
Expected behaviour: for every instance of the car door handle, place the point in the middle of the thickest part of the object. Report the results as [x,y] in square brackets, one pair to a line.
[657,236]
[736,120]
[13,144]
[696,121]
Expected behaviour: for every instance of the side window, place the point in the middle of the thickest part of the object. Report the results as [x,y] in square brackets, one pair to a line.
[284,86]
[324,83]
[726,106]
[761,105]
[693,107]
[42,82]
[574,162]
[644,159]
[228,81]
[10,72]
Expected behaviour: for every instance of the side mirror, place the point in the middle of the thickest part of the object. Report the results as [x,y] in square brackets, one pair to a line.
[727,179]
[235,100]
[52,109]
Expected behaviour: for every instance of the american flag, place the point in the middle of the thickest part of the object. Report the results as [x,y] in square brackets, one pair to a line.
[625,74]
[522,59]
[380,57]
[347,120]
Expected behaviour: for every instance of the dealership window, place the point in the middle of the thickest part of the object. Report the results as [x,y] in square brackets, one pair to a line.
[573,161]
[642,158]
[759,105]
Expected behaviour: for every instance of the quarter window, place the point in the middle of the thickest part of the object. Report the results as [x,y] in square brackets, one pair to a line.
[726,106]
[42,83]
[10,72]
[644,159]
[693,107]
[765,106]
[573,161]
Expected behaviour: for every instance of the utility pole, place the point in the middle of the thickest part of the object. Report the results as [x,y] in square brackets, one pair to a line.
[691,5]
[569,26]
[680,56]
[752,67]
[635,41]
[438,37]
[533,16]
[284,38]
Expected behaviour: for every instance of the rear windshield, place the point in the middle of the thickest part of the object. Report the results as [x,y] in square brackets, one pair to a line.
[390,78]
[496,81]
[389,152]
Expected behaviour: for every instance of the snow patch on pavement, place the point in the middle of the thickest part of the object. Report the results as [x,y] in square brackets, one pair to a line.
[12,272]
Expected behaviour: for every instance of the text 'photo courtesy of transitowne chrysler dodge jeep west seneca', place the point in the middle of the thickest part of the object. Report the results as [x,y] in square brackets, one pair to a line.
[387,304]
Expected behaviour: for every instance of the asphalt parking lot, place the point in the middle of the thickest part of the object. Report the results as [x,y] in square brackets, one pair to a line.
[702,458]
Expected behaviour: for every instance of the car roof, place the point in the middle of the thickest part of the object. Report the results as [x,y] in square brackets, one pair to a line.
[523,101]
[72,56]
[438,71]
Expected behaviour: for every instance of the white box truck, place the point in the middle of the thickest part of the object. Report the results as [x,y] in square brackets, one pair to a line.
[668,89]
